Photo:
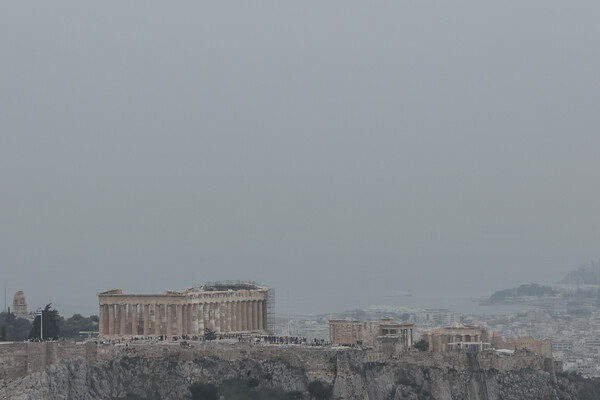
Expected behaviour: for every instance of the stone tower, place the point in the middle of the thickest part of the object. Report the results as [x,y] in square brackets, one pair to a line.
[19,305]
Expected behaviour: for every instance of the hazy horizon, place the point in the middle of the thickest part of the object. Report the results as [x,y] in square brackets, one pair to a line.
[334,151]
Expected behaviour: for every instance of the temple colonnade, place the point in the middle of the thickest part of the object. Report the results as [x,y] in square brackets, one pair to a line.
[180,313]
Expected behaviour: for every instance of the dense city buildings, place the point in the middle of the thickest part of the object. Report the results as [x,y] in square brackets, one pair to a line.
[222,307]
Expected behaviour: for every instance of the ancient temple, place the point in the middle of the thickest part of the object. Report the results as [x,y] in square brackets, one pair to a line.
[222,307]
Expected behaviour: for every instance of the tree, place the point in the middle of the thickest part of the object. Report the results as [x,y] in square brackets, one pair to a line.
[209,334]
[49,324]
[204,391]
[319,390]
[16,329]
[71,327]
[422,345]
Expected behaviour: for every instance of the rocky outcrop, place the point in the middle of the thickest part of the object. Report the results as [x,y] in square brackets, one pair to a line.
[168,371]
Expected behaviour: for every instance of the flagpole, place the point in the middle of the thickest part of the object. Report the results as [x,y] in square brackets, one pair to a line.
[42,326]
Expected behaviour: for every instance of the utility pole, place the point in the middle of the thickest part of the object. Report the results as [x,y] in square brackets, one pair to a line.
[288,324]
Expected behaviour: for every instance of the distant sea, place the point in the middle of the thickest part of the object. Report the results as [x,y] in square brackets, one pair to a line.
[454,302]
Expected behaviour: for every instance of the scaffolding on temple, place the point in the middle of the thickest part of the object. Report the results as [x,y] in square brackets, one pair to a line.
[271,310]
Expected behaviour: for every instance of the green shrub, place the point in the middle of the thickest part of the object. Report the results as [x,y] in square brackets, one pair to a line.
[204,391]
[320,391]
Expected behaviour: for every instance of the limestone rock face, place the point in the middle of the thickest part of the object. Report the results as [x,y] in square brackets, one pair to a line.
[349,375]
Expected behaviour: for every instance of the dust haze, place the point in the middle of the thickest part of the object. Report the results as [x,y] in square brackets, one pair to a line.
[340,152]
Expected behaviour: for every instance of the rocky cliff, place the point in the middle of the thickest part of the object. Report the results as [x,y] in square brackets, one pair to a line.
[167,371]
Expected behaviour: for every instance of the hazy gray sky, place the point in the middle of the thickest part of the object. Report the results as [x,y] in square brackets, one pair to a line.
[334,150]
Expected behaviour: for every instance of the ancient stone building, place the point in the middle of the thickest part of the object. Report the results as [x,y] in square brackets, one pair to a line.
[538,346]
[222,307]
[19,307]
[345,332]
[353,332]
[456,336]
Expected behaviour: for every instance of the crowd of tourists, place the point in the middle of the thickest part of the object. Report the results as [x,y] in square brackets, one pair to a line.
[239,337]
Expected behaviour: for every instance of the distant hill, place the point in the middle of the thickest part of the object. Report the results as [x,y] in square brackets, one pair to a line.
[586,274]
[530,290]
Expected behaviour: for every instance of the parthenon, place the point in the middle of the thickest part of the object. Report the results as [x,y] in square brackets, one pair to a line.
[222,307]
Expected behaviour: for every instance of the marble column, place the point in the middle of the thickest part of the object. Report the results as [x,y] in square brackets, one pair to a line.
[189,318]
[162,314]
[102,325]
[117,319]
[223,316]
[157,321]
[254,315]
[236,316]
[244,316]
[134,319]
[180,320]
[124,319]
[129,317]
[200,317]
[183,308]
[265,316]
[196,318]
[127,320]
[229,316]
[217,317]
[123,330]
[145,311]
[208,312]
[106,319]
[206,316]
[101,319]
[249,316]
[169,329]
[261,325]
[213,316]
[111,319]
[121,319]
[192,325]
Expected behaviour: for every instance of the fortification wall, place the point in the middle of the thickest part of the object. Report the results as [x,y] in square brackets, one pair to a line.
[13,360]
[320,363]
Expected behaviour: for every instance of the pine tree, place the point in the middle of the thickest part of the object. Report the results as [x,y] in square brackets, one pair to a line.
[49,324]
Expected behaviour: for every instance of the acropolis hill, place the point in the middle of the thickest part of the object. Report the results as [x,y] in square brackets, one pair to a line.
[92,370]
[152,346]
